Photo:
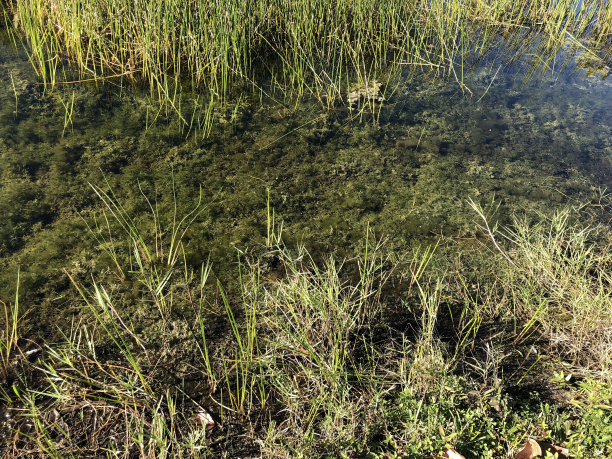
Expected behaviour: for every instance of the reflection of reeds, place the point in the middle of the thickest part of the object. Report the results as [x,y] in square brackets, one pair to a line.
[305,47]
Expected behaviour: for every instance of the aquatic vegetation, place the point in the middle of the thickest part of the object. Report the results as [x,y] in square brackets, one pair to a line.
[297,47]
[162,326]
[10,334]
[382,354]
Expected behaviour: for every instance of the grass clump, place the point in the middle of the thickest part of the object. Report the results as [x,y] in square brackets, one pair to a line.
[381,355]
[558,277]
[10,334]
[565,288]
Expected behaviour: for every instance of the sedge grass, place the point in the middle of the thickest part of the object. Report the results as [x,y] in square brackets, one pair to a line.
[303,47]
[155,258]
[306,363]
[10,333]
[557,276]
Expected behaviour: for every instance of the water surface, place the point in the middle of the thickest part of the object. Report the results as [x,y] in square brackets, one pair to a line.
[524,141]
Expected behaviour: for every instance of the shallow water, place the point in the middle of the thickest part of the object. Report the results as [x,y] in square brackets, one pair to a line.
[525,144]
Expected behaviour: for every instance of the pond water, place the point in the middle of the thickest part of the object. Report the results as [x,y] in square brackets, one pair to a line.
[522,140]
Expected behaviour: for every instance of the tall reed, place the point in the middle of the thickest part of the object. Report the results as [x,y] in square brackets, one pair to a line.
[302,47]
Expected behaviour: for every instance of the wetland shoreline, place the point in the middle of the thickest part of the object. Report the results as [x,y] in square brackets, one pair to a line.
[158,297]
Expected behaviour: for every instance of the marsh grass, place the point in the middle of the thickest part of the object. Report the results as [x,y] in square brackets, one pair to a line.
[296,48]
[565,288]
[10,333]
[381,354]
[155,259]
[558,276]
